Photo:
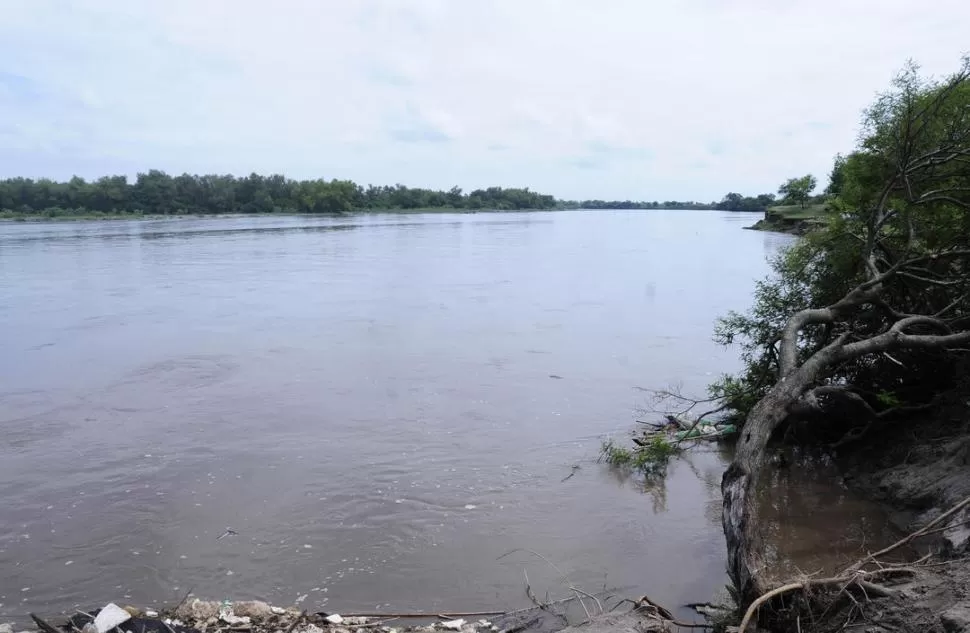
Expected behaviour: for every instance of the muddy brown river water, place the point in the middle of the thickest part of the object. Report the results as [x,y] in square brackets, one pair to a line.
[379,406]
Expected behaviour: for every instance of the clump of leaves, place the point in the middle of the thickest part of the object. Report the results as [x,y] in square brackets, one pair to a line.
[650,458]
[888,399]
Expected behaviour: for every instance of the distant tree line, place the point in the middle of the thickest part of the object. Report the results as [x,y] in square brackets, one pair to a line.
[158,193]
[632,204]
[730,202]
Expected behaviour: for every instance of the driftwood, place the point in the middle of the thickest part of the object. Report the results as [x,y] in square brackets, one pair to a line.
[44,626]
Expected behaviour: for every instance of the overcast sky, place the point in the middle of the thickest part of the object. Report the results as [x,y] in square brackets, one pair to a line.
[641,99]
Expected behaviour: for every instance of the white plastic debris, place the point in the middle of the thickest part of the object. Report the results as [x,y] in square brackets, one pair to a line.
[453,625]
[484,623]
[109,617]
[226,615]
[336,618]
[151,614]
[277,610]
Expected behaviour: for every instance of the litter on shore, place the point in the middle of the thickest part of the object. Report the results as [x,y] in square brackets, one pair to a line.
[201,616]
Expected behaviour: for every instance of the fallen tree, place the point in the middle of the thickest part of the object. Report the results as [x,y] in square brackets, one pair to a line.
[871,312]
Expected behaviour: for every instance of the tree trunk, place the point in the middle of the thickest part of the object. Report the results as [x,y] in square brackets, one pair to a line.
[746,563]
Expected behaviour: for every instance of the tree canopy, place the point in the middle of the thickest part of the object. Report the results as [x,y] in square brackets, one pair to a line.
[156,192]
[737,202]
[797,190]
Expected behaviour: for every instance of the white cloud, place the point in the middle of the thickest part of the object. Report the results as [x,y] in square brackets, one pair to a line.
[617,99]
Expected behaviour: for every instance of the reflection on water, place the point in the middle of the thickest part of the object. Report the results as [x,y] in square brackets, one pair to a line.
[367,401]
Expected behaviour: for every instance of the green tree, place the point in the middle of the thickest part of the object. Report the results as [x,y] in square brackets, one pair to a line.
[109,194]
[732,201]
[798,190]
[737,202]
[454,197]
[154,192]
[837,176]
[867,314]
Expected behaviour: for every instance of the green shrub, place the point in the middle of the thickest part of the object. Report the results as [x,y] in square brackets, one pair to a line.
[650,458]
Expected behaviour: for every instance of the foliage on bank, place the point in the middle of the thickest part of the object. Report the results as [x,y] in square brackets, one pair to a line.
[903,198]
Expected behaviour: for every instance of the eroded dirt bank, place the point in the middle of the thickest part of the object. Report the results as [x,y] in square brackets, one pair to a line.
[918,468]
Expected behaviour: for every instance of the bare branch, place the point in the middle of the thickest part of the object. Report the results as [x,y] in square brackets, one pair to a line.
[930,194]
[788,354]
[917,319]
[927,280]
[895,338]
[944,198]
[952,305]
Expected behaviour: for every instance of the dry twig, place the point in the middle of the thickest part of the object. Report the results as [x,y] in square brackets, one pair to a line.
[395,616]
[920,532]
[184,598]
[562,578]
[296,621]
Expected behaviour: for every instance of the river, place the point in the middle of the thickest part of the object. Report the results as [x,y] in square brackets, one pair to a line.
[380,406]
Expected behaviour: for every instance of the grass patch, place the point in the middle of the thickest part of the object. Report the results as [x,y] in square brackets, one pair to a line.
[650,458]
[796,212]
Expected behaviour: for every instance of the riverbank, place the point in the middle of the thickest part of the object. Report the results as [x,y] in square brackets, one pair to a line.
[254,616]
[917,468]
[792,219]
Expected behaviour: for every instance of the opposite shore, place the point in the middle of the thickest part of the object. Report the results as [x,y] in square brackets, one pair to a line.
[793,219]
